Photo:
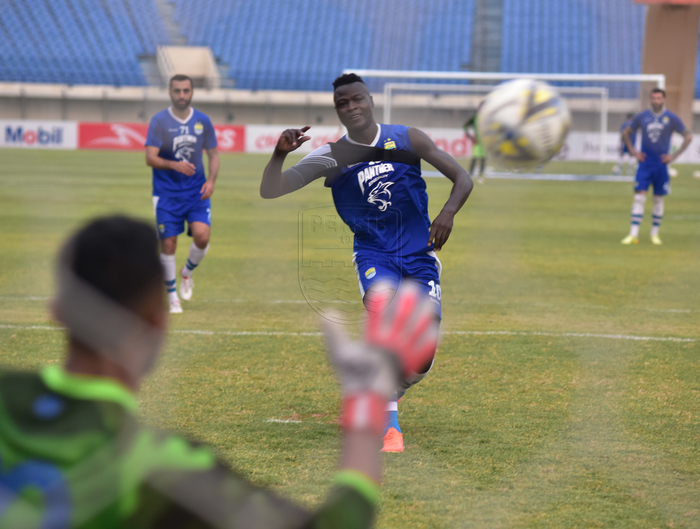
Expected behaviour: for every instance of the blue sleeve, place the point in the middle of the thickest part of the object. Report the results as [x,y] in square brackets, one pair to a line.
[155,136]
[677,124]
[209,135]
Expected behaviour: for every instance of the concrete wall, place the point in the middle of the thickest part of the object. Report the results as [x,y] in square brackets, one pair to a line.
[55,102]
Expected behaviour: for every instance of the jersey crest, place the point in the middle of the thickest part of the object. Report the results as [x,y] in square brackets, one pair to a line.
[380,195]
[654,130]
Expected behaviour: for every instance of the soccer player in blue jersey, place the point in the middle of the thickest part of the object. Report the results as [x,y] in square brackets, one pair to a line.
[181,192]
[626,158]
[375,177]
[657,125]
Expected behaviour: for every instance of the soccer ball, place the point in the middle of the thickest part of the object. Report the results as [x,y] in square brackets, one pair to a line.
[523,124]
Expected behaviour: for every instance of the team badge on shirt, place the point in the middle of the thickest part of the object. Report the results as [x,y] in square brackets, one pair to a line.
[665,119]
[389,144]
[198,128]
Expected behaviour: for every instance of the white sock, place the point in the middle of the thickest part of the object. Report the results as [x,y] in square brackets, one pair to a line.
[195,257]
[168,262]
[637,212]
[657,215]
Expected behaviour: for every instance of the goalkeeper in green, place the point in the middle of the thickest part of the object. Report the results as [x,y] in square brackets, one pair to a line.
[471,130]
[72,453]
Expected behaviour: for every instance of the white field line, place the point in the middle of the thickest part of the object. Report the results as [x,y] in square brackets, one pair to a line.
[447,302]
[447,333]
[282,420]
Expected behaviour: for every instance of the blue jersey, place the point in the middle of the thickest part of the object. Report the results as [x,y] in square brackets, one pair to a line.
[657,130]
[385,204]
[180,139]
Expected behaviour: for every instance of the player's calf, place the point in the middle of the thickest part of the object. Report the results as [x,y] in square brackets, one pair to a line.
[169,274]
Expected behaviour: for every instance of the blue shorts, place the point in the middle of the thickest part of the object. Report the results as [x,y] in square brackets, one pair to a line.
[171,214]
[424,268]
[654,174]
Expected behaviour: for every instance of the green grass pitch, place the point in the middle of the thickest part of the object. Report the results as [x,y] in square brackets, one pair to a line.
[542,410]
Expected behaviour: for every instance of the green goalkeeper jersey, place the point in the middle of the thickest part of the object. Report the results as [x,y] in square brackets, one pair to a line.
[72,454]
[478,151]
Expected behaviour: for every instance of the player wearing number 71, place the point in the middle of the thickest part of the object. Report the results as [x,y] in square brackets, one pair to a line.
[375,177]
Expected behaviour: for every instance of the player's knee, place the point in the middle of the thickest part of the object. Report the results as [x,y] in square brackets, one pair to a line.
[201,241]
[168,246]
[413,379]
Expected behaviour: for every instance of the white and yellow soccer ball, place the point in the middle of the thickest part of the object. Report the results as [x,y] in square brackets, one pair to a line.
[523,124]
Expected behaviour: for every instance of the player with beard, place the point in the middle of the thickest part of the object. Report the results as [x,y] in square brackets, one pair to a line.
[181,192]
[375,177]
[657,125]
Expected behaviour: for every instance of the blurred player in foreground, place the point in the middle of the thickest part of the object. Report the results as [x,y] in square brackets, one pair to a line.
[73,454]
[657,125]
[627,161]
[375,177]
[471,130]
[181,192]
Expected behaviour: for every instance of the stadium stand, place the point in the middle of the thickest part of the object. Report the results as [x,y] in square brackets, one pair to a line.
[590,36]
[273,45]
[78,41]
[276,44]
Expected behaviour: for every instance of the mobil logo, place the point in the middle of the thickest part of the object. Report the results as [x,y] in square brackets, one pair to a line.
[38,134]
[30,136]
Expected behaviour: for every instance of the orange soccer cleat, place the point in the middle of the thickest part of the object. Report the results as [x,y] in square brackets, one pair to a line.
[393,441]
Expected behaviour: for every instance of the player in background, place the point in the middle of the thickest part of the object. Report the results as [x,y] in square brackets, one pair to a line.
[181,192]
[74,453]
[375,178]
[657,125]
[626,158]
[471,130]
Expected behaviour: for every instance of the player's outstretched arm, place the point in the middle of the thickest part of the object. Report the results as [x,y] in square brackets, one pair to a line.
[274,184]
[424,147]
[155,161]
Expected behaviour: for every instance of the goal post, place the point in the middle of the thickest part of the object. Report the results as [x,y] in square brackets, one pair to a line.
[658,80]
[391,88]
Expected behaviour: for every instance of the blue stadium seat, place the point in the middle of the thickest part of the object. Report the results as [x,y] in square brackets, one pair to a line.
[78,41]
[587,36]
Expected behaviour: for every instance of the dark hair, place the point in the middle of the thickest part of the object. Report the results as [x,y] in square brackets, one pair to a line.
[118,256]
[180,77]
[630,115]
[347,78]
[658,91]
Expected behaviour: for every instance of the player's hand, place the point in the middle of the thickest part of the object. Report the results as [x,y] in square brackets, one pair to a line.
[207,190]
[640,156]
[400,337]
[440,229]
[292,139]
[184,167]
[666,158]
